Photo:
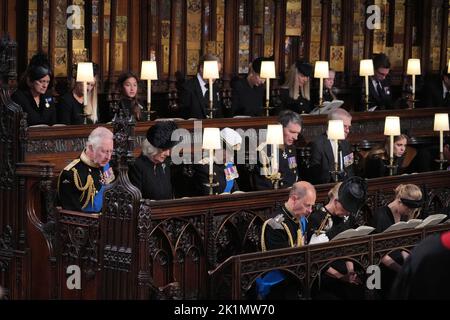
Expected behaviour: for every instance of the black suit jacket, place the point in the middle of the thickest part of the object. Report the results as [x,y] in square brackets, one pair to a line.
[194,104]
[434,94]
[322,160]
[383,101]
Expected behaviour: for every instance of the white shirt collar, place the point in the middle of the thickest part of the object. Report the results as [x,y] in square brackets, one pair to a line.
[202,83]
[444,90]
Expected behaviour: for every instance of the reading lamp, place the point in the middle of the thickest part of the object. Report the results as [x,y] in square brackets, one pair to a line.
[210,72]
[211,142]
[274,137]
[85,74]
[321,71]
[267,72]
[391,129]
[413,69]
[366,70]
[441,124]
[149,72]
[335,133]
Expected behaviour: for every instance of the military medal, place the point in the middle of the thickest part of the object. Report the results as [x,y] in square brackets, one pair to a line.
[284,155]
[292,162]
[231,173]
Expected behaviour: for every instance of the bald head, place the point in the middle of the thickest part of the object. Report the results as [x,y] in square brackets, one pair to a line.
[301,199]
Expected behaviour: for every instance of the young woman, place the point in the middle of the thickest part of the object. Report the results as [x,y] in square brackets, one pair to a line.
[32,93]
[71,109]
[378,158]
[128,86]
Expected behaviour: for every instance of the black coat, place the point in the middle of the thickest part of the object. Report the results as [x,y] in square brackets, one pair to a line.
[201,177]
[322,160]
[299,105]
[69,110]
[382,218]
[36,114]
[383,101]
[434,94]
[247,100]
[153,180]
[339,224]
[194,104]
[289,173]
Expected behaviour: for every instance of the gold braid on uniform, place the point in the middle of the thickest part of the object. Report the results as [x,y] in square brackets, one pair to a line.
[88,189]
[286,228]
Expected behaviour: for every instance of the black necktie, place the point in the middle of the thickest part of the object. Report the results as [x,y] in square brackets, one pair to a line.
[379,89]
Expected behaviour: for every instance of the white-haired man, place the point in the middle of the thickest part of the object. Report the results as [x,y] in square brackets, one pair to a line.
[322,159]
[81,183]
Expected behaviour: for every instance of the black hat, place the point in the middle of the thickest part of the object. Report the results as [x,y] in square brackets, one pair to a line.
[160,134]
[304,68]
[353,194]
[413,204]
[39,67]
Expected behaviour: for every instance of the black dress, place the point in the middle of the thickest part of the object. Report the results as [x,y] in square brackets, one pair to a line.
[299,105]
[247,100]
[153,180]
[330,287]
[45,113]
[69,110]
[376,166]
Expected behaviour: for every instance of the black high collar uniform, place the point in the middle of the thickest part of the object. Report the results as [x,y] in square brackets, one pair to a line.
[278,238]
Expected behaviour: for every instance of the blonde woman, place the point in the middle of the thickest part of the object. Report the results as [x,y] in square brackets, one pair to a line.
[71,108]
[295,92]
[406,204]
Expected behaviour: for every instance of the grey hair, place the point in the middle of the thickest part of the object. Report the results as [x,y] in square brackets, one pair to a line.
[148,149]
[339,114]
[98,135]
[301,188]
[287,116]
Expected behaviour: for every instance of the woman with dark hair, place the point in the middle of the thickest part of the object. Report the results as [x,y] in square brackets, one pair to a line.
[71,108]
[295,92]
[128,86]
[31,95]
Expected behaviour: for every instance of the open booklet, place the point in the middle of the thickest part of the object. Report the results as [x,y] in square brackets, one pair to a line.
[350,233]
[417,223]
[432,220]
[328,106]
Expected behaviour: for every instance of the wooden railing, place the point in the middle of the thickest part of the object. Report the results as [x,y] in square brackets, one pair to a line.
[234,278]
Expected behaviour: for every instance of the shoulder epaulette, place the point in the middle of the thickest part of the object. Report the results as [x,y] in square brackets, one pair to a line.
[72,164]
[276,222]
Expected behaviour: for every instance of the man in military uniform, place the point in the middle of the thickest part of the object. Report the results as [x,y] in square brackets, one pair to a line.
[322,159]
[287,157]
[81,184]
[287,228]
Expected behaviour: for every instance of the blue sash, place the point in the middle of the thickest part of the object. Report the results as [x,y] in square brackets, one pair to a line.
[98,199]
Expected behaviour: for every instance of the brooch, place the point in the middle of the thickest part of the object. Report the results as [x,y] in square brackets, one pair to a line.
[47,102]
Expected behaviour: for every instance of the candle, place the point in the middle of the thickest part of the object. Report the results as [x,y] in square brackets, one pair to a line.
[335,150]
[211,160]
[149,90]
[85,100]
[321,88]
[267,89]
[274,158]
[367,85]
[391,147]
[210,89]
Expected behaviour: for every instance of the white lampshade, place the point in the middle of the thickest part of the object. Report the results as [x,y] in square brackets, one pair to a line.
[274,134]
[85,72]
[321,69]
[366,67]
[211,139]
[392,126]
[210,69]
[149,70]
[268,70]
[413,66]
[441,122]
[336,130]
